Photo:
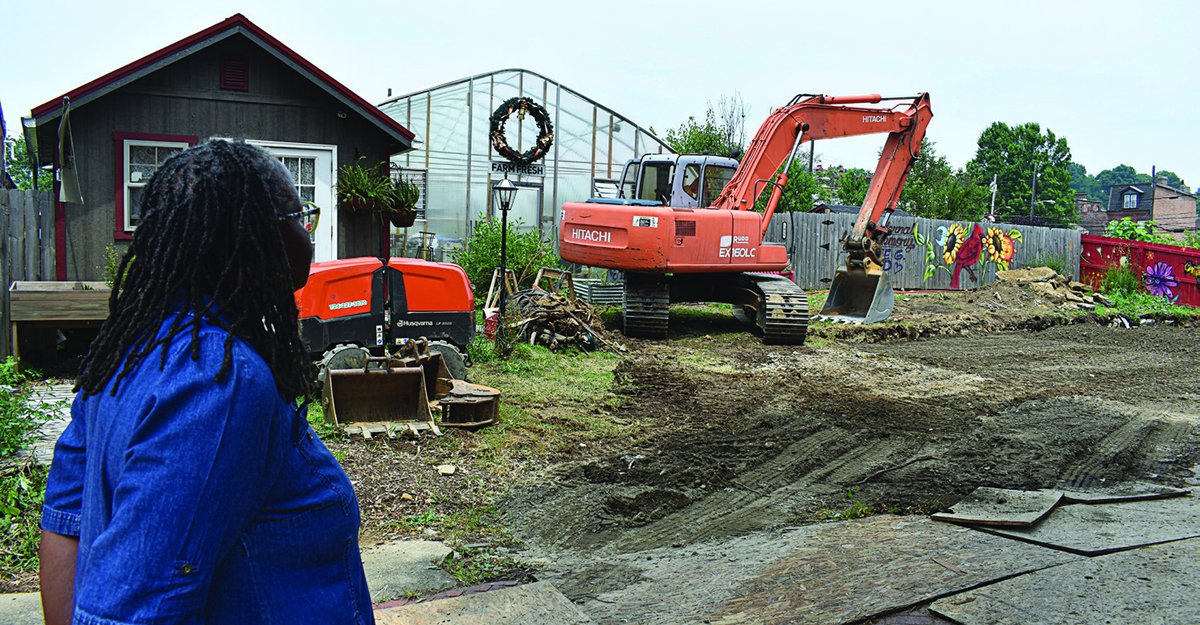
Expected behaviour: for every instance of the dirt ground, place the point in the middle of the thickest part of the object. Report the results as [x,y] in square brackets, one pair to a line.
[769,437]
[905,417]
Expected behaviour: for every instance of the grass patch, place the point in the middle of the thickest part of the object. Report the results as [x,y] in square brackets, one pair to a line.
[476,566]
[549,401]
[702,311]
[857,509]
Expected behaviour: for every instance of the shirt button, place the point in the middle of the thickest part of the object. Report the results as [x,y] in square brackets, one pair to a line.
[186,569]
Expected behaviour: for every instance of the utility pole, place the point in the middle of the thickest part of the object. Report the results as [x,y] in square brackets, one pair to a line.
[992,213]
[1033,196]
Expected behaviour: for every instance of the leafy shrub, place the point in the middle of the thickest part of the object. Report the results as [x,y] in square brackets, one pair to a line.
[22,481]
[22,490]
[1191,239]
[1127,291]
[1058,263]
[1147,231]
[526,254]
[1121,282]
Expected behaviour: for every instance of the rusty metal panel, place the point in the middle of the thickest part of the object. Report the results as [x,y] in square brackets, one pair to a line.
[926,253]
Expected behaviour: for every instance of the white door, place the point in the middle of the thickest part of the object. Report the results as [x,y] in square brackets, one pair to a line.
[312,168]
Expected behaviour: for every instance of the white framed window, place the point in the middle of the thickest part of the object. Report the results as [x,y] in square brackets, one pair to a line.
[141,158]
[1129,200]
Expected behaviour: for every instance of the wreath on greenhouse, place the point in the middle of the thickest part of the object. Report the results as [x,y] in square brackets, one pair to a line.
[522,106]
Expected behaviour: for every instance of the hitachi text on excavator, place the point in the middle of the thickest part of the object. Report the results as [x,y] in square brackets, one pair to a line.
[716,253]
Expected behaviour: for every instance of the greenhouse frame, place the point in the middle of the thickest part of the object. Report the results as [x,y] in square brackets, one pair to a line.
[455,165]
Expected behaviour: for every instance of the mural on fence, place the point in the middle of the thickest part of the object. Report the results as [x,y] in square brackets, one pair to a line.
[923,253]
[1166,271]
[1160,280]
[955,250]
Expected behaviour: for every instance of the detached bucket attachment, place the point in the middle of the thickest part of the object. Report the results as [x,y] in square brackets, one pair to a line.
[385,394]
[859,295]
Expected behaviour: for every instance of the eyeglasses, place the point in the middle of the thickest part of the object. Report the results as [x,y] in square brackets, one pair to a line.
[309,215]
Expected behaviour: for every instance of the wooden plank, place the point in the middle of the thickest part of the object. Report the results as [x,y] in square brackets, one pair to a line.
[59,304]
[5,276]
[46,236]
[16,234]
[33,255]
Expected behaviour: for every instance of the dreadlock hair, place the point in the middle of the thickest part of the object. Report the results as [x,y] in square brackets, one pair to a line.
[208,243]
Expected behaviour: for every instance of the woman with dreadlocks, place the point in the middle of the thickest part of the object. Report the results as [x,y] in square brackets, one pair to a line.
[189,487]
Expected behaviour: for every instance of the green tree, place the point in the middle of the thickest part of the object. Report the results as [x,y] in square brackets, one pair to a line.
[16,158]
[1014,155]
[525,253]
[850,187]
[1121,174]
[936,190]
[802,191]
[722,133]
[1083,182]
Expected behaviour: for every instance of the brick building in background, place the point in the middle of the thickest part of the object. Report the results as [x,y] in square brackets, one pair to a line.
[1173,209]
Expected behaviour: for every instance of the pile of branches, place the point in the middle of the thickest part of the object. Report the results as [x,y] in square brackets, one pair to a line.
[557,322]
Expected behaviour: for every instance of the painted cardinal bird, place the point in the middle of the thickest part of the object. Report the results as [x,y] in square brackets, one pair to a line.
[968,255]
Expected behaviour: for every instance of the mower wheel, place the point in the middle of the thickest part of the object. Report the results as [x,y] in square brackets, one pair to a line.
[456,363]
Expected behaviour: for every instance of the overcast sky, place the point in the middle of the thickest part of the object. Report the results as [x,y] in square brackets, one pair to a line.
[1119,80]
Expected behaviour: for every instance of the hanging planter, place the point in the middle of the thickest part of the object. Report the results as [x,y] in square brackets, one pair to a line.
[365,190]
[402,218]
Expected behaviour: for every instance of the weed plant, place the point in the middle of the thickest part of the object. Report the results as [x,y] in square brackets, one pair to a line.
[1126,290]
[22,481]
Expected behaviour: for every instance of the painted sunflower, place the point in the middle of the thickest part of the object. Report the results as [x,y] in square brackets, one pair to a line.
[955,236]
[994,241]
[1008,250]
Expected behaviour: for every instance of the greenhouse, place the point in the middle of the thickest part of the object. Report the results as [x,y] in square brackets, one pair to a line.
[455,162]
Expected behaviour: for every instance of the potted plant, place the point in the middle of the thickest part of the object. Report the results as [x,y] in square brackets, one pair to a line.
[362,189]
[404,210]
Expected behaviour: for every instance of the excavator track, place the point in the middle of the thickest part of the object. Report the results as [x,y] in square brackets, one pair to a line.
[646,305]
[783,309]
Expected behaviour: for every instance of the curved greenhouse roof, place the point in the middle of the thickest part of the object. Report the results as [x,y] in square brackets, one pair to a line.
[453,152]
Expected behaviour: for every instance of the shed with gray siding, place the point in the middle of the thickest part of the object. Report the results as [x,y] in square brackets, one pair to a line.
[231,80]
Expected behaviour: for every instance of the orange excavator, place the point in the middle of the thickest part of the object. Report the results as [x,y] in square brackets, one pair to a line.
[717,253]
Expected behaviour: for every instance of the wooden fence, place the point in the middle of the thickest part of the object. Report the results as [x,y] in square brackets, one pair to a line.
[26,247]
[925,253]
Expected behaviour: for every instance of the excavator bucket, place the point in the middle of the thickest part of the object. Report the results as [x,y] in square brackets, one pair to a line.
[859,295]
[384,394]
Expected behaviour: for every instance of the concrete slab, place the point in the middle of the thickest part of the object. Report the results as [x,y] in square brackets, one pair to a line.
[21,609]
[1097,529]
[1133,491]
[821,574]
[532,604]
[859,570]
[406,568]
[1002,506]
[1138,587]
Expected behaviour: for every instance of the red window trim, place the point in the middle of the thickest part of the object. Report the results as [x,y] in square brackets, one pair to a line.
[119,139]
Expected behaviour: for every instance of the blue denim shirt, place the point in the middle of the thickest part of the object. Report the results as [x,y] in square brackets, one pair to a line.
[203,502]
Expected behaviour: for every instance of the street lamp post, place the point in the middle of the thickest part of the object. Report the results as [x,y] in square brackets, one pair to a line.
[504,191]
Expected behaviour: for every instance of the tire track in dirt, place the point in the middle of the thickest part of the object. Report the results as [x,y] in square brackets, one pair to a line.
[772,436]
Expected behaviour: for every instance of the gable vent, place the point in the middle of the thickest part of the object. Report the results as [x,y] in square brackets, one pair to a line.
[235,74]
[685,228]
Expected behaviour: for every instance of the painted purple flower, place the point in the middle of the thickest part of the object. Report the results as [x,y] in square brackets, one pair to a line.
[1160,280]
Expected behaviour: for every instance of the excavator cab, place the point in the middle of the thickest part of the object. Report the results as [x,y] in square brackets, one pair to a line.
[678,180]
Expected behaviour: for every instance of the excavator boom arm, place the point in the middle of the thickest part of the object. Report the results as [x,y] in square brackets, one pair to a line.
[826,117]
